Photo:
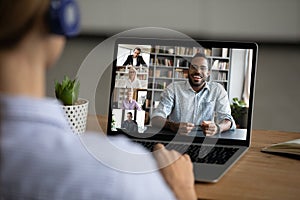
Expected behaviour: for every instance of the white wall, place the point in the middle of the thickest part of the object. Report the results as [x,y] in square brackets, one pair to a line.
[237,70]
[277,98]
[232,19]
[122,55]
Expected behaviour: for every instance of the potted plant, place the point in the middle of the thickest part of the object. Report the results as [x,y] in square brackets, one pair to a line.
[239,112]
[75,109]
[113,123]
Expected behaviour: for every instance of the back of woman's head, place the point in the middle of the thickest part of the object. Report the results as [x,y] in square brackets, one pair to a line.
[18,17]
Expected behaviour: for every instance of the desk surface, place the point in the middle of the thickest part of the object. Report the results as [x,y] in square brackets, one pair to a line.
[256,175]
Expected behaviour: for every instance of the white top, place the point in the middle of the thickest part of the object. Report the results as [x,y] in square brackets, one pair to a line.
[134,84]
[134,61]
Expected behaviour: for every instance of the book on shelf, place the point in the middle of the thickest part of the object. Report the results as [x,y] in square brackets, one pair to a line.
[157,73]
[156,62]
[178,63]
[289,148]
[198,50]
[224,52]
[150,72]
[168,62]
[223,65]
[180,73]
[220,65]
[189,51]
[158,85]
[151,61]
[162,49]
[207,52]
[215,64]
[152,49]
[171,50]
[220,52]
[185,74]
[163,62]
[181,62]
[222,76]
[169,74]
[185,51]
[157,48]
[219,76]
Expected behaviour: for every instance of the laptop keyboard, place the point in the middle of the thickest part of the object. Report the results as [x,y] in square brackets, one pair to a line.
[198,154]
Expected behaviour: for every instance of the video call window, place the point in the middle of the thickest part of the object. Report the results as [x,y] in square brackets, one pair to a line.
[143,72]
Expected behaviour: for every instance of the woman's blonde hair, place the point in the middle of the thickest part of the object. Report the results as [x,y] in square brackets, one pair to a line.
[18,17]
[132,69]
[135,72]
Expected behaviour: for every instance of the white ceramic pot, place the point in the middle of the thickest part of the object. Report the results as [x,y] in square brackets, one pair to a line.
[77,115]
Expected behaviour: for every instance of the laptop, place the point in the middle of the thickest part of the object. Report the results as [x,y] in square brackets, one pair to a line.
[166,61]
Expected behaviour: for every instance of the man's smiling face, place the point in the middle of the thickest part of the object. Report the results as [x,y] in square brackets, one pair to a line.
[198,72]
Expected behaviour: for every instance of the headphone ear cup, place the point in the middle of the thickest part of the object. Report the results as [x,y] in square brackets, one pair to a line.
[64,17]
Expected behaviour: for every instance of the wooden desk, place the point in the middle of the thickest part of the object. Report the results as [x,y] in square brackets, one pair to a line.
[256,175]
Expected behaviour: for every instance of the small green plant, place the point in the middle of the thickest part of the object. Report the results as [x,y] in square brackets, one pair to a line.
[67,91]
[239,111]
[113,123]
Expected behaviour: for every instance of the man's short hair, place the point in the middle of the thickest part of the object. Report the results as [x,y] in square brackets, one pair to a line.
[130,113]
[202,55]
[137,48]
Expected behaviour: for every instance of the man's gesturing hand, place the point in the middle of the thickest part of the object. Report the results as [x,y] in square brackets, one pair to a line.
[183,128]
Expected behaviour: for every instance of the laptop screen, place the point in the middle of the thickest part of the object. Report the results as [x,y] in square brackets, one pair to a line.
[153,79]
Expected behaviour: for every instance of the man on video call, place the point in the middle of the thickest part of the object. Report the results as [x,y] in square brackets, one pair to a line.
[135,59]
[130,125]
[195,103]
